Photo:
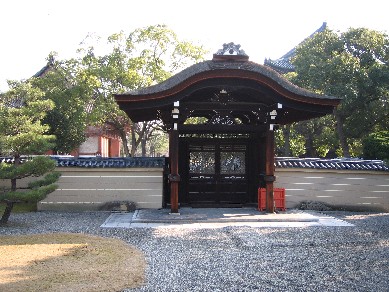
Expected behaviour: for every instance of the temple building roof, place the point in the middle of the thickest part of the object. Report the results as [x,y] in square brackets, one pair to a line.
[283,64]
[247,85]
[49,66]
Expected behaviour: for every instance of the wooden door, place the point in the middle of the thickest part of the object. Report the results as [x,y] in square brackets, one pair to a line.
[216,173]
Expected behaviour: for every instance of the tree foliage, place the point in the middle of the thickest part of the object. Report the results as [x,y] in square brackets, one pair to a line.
[312,138]
[144,57]
[22,110]
[72,98]
[22,132]
[289,142]
[376,146]
[82,88]
[353,66]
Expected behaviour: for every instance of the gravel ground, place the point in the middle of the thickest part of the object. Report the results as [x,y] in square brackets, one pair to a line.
[243,258]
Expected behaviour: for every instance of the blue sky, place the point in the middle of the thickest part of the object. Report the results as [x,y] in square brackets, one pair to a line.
[30,30]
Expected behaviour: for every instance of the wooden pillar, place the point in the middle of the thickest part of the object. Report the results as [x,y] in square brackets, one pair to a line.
[269,171]
[174,177]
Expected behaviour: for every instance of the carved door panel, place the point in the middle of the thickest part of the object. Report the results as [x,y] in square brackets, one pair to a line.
[217,173]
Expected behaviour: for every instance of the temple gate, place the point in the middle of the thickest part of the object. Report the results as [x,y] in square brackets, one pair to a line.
[221,115]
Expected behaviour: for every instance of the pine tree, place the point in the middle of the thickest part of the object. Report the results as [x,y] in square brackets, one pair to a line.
[22,134]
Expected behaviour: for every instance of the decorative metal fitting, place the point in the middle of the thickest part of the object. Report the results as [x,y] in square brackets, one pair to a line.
[174,177]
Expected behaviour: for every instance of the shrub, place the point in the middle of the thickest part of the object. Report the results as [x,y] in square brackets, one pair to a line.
[376,146]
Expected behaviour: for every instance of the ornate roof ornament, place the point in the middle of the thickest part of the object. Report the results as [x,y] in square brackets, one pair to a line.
[230,52]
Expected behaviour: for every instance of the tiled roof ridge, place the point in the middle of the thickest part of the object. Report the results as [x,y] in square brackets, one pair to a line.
[283,63]
[48,66]
[291,53]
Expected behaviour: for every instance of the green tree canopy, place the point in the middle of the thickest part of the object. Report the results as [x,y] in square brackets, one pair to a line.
[141,58]
[63,84]
[354,66]
[376,146]
[22,110]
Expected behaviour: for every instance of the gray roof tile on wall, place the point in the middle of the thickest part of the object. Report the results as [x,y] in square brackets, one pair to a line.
[336,164]
[99,162]
[160,162]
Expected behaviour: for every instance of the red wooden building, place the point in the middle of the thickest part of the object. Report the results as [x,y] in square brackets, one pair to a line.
[221,115]
[100,142]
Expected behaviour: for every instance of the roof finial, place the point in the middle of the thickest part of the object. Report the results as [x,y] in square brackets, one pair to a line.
[231,52]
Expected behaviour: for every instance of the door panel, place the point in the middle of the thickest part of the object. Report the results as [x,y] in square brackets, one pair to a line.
[217,173]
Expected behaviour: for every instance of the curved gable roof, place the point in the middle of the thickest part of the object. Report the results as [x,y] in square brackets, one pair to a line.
[213,69]
[223,69]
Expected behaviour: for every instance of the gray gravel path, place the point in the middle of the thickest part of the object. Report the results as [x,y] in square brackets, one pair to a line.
[243,258]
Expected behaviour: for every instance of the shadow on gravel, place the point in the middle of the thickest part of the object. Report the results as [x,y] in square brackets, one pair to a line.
[321,206]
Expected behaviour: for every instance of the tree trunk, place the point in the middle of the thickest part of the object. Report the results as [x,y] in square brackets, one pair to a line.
[133,141]
[286,132]
[152,151]
[309,149]
[140,129]
[7,212]
[13,184]
[143,145]
[341,136]
[123,136]
[13,180]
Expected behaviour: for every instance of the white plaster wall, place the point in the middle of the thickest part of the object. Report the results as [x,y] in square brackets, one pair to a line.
[90,146]
[352,188]
[89,189]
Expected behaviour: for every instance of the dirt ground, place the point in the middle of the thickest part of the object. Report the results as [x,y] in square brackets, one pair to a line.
[68,262]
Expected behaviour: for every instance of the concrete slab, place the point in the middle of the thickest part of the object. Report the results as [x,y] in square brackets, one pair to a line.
[219,218]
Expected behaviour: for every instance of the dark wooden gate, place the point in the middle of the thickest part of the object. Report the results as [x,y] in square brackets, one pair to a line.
[215,172]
